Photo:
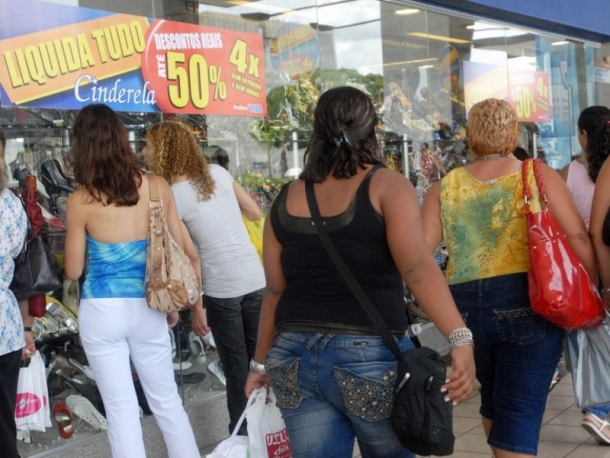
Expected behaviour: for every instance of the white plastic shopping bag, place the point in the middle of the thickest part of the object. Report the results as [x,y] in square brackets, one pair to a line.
[266,427]
[32,411]
[234,446]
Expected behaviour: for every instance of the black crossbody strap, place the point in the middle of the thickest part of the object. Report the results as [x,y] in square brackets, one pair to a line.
[363,298]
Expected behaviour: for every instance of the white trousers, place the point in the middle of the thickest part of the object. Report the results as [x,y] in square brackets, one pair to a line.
[112,331]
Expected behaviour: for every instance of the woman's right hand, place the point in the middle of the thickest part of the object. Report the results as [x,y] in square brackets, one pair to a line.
[461,380]
[254,381]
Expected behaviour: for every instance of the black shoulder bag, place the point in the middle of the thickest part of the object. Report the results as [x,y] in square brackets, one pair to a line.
[421,418]
[36,270]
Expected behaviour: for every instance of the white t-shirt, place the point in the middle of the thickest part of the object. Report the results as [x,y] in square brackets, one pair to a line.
[230,264]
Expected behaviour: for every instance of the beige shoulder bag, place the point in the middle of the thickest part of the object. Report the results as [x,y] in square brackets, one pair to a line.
[172,284]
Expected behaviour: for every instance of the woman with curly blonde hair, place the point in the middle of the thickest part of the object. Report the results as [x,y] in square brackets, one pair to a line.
[478,209]
[211,204]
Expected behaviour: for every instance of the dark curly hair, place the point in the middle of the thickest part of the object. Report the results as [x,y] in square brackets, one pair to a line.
[343,137]
[594,121]
[177,153]
[102,159]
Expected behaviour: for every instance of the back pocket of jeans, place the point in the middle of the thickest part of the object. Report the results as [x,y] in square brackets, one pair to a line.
[284,373]
[367,389]
[520,326]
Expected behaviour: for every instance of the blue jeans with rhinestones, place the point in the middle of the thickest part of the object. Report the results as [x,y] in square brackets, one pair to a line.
[334,388]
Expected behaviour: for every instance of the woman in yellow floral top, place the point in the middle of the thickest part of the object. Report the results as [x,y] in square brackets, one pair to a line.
[479,211]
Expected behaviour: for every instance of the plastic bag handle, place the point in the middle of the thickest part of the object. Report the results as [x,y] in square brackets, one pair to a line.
[253,395]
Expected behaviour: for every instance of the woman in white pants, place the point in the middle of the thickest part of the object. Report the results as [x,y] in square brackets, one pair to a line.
[107,225]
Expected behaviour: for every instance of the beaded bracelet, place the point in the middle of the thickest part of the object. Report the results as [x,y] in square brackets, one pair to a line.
[460,337]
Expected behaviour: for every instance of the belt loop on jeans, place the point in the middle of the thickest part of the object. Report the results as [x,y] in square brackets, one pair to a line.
[311,342]
[327,338]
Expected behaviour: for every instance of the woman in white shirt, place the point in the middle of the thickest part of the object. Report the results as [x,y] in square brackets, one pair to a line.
[211,204]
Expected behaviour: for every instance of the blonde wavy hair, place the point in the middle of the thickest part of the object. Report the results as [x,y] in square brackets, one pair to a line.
[492,128]
[177,153]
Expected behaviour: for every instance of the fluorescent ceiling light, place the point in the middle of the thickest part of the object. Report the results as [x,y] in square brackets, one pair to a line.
[430,36]
[484,26]
[560,43]
[406,11]
[426,66]
[259,6]
[485,30]
[415,61]
[497,33]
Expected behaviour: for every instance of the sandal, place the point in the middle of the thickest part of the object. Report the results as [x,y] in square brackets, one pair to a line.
[190,379]
[595,426]
[197,349]
[86,370]
[57,311]
[556,379]
[208,339]
[64,419]
[82,407]
[215,369]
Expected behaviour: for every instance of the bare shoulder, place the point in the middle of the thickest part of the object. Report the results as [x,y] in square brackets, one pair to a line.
[387,177]
[78,198]
[390,190]
[550,175]
[161,183]
[386,182]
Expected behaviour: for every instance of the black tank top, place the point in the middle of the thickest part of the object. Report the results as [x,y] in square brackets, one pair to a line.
[316,297]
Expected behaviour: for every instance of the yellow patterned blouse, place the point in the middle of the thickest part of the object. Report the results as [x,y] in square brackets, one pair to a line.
[483,226]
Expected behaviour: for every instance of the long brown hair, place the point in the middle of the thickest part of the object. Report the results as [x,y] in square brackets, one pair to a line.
[177,153]
[103,161]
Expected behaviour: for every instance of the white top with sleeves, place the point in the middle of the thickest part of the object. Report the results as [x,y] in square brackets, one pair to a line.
[230,264]
[13,227]
[581,187]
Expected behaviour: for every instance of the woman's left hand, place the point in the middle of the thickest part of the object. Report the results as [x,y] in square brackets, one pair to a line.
[172,319]
[461,380]
[254,381]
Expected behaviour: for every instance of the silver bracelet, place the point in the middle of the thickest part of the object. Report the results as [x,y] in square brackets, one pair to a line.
[257,367]
[460,337]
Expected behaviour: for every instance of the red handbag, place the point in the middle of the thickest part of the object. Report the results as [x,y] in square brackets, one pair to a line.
[560,289]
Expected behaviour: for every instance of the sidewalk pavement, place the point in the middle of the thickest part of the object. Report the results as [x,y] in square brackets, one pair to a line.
[561,435]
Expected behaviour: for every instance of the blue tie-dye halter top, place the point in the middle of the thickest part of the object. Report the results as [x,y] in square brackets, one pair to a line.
[115,269]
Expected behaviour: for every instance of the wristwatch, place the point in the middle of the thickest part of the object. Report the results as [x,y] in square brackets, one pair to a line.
[257,367]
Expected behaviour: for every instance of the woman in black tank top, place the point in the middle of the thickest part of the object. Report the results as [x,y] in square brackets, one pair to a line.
[316,346]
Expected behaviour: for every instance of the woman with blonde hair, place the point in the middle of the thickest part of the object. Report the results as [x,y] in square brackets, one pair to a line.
[479,211]
[211,204]
[107,223]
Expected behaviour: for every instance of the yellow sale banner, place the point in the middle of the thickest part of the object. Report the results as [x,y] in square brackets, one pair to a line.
[128,62]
